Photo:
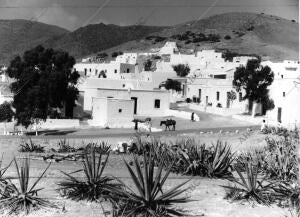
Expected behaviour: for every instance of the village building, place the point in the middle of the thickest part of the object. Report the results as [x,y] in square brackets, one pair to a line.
[112,70]
[285,91]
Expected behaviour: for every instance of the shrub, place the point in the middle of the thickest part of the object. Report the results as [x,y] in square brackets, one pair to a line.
[227,37]
[188,100]
[25,198]
[173,85]
[149,199]
[31,147]
[181,70]
[94,186]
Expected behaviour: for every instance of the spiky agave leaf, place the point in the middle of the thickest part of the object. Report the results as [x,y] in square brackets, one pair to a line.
[249,187]
[24,198]
[94,185]
[149,198]
[219,164]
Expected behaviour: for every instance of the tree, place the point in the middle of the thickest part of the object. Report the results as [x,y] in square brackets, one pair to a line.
[148,65]
[6,113]
[255,80]
[231,96]
[44,81]
[182,70]
[173,85]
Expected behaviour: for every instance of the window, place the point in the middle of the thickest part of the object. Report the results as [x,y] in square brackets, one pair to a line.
[90,70]
[85,71]
[116,71]
[281,76]
[123,85]
[120,110]
[127,70]
[240,96]
[157,103]
[283,94]
[218,95]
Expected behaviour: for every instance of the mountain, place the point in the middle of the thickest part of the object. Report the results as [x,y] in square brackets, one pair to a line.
[272,37]
[19,35]
[269,36]
[94,38]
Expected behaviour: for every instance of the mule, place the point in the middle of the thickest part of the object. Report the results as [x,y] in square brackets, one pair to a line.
[168,123]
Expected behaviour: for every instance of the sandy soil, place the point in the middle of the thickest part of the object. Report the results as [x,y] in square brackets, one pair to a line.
[207,194]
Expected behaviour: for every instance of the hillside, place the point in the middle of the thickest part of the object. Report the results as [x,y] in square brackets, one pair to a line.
[271,37]
[19,35]
[97,37]
[247,33]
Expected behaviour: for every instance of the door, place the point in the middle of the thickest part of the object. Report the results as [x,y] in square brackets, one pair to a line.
[279,113]
[228,100]
[134,105]
[200,95]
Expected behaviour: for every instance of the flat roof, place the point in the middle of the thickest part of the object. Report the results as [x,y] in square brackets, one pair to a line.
[132,90]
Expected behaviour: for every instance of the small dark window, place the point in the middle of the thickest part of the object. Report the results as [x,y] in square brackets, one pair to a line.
[90,70]
[123,85]
[127,70]
[218,96]
[116,71]
[157,103]
[120,110]
[283,94]
[240,97]
[281,76]
[85,71]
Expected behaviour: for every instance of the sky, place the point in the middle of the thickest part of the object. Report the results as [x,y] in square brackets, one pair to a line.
[72,14]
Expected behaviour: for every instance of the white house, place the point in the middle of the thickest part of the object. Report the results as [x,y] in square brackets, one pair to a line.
[112,70]
[285,91]
[112,112]
[146,102]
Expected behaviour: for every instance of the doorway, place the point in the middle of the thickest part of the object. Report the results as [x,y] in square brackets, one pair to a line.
[200,95]
[228,100]
[134,105]
[279,114]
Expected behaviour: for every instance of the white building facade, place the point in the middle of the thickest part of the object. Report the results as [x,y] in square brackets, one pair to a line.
[285,91]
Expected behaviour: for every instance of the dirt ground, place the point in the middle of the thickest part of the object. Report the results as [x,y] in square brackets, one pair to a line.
[207,195]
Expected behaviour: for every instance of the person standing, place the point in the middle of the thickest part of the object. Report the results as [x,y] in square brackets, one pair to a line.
[193,117]
[263,125]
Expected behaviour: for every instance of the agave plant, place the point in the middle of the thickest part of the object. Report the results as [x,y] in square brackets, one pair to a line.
[64,146]
[249,187]
[219,162]
[102,148]
[4,185]
[31,147]
[94,186]
[24,198]
[149,199]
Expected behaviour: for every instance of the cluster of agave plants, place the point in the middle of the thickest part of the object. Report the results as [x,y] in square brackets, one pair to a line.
[266,176]
[149,198]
